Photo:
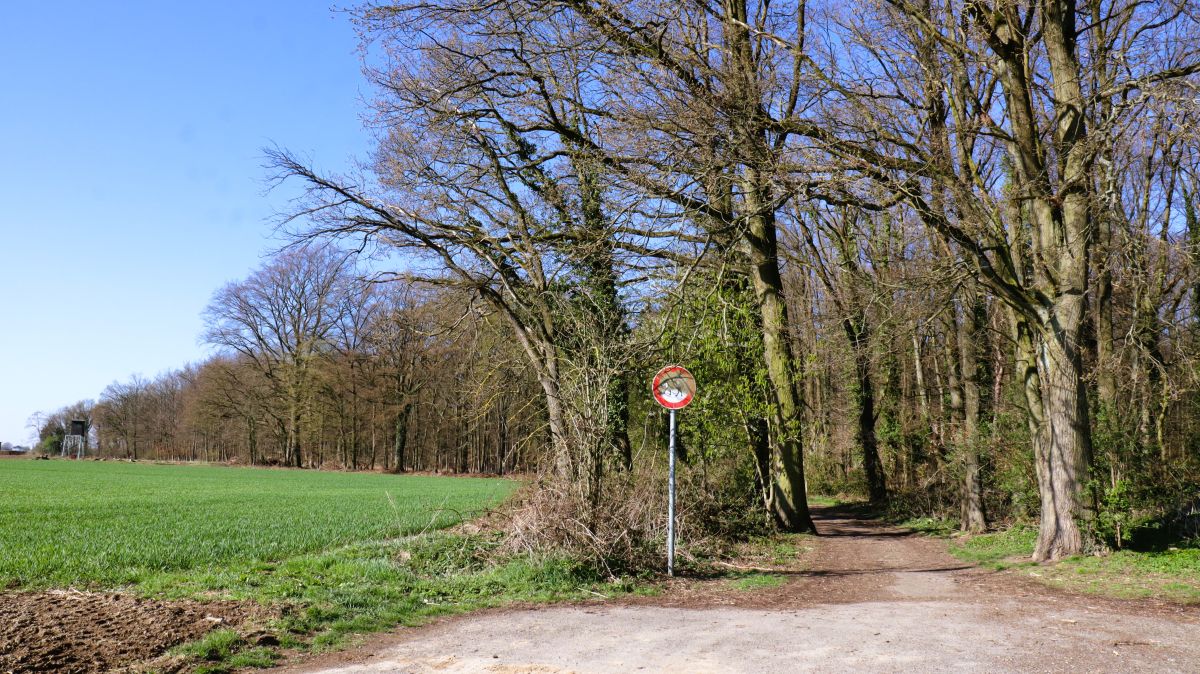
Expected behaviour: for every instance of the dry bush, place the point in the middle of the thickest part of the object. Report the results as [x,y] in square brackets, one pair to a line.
[619,532]
[623,530]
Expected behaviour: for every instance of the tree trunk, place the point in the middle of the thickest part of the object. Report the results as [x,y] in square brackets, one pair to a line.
[970,331]
[252,440]
[1110,210]
[758,434]
[1064,461]
[401,436]
[618,410]
[501,437]
[789,498]
[354,439]
[292,450]
[564,466]
[864,394]
[923,395]
[601,283]
[1060,242]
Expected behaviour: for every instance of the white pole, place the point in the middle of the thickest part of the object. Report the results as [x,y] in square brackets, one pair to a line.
[671,503]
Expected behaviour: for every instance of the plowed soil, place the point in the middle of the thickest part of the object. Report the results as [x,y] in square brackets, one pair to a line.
[74,632]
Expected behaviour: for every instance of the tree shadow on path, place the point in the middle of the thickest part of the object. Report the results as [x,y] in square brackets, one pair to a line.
[854,519]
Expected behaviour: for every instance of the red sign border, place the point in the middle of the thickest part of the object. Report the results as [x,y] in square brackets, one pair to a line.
[658,379]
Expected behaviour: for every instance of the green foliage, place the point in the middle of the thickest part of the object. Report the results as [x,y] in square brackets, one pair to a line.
[1172,574]
[825,473]
[823,500]
[1011,490]
[933,500]
[438,555]
[715,333]
[224,650]
[717,336]
[719,499]
[374,586]
[107,524]
[50,445]
[253,658]
[1169,561]
[777,549]
[1137,490]
[1114,514]
[51,436]
[216,645]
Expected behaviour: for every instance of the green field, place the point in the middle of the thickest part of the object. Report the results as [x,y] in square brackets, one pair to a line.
[108,524]
[327,554]
[335,554]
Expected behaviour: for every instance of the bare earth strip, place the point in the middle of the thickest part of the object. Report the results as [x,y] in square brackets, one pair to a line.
[73,632]
[872,599]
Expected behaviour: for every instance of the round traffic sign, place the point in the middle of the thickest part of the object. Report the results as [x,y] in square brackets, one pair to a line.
[673,387]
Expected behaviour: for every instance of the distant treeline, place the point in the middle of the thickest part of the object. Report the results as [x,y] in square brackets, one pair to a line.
[323,369]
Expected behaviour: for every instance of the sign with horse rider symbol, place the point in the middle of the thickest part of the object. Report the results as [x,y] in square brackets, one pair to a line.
[674,387]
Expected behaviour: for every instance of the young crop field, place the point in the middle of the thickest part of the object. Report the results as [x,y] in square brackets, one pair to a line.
[108,524]
[280,559]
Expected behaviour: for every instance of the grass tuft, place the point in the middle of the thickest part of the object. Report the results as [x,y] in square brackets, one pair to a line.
[757,581]
[931,526]
[216,645]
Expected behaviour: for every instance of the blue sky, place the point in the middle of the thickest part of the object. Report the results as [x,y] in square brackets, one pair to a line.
[131,179]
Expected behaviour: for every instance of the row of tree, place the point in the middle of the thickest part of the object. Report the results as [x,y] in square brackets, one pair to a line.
[551,151]
[320,368]
[943,252]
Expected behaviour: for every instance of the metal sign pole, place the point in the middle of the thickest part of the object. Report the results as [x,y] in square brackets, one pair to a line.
[673,387]
[671,503]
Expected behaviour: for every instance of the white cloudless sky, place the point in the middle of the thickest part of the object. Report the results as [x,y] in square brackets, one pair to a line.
[131,178]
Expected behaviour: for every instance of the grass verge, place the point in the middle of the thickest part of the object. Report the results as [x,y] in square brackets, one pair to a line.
[1172,574]
[328,597]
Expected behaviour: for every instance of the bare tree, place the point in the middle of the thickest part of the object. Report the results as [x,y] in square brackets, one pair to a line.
[482,176]
[280,319]
[697,92]
[122,415]
[957,123]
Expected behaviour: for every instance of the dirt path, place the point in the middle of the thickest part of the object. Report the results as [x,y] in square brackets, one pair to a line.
[872,598]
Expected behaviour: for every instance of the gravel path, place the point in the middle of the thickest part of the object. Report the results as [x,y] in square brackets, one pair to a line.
[871,598]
